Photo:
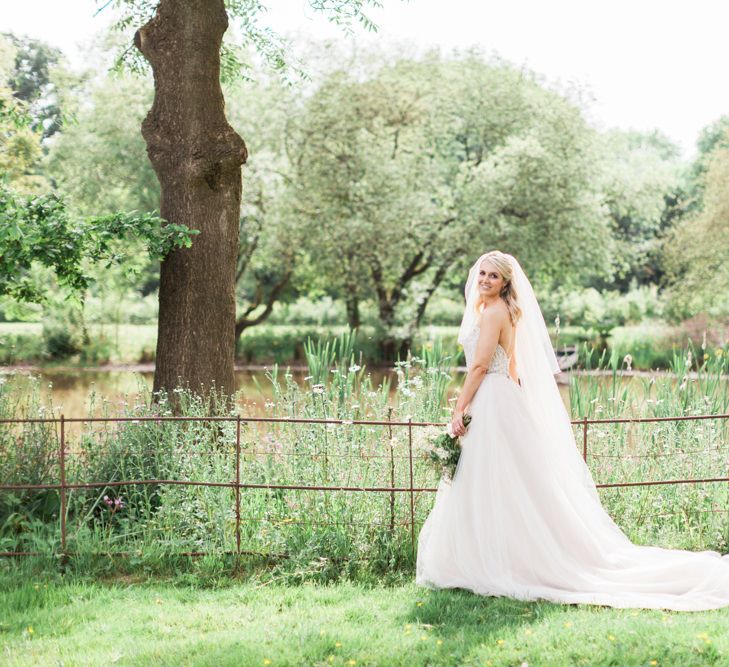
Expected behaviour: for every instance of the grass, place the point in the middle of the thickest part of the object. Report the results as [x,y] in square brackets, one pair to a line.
[151,608]
[52,619]
[331,527]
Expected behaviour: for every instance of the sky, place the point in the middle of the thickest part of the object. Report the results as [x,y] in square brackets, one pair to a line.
[645,64]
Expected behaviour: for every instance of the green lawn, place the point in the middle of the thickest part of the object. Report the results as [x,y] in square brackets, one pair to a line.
[45,620]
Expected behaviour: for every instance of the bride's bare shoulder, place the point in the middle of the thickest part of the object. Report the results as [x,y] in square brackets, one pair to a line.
[495,315]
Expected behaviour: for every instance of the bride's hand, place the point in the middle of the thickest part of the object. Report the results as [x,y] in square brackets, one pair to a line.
[457,426]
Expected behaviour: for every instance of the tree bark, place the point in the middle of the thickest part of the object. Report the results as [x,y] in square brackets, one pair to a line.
[197,157]
[353,317]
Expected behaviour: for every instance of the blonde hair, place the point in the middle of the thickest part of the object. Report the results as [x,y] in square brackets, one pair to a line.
[508,293]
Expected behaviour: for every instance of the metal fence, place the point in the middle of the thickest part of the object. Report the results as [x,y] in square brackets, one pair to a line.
[237,485]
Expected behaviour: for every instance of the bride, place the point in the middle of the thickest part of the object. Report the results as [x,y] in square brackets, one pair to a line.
[522,517]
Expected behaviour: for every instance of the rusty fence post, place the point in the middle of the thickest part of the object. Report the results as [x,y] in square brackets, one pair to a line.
[392,469]
[62,462]
[412,490]
[584,438]
[237,493]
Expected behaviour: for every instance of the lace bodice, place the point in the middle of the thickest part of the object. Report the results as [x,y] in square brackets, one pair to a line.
[500,360]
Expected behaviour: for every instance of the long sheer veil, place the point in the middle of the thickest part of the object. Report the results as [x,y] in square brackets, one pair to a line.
[536,366]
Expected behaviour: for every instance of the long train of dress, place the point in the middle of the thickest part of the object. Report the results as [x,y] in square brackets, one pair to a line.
[506,524]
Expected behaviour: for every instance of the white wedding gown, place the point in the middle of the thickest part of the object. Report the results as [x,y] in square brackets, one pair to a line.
[514,523]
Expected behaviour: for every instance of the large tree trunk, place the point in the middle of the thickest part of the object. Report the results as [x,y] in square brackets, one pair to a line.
[197,157]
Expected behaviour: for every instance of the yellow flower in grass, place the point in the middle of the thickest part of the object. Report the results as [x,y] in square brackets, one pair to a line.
[419,604]
[653,662]
[568,624]
[439,642]
[500,642]
[351,662]
[30,630]
[611,638]
[424,638]
[267,661]
[337,644]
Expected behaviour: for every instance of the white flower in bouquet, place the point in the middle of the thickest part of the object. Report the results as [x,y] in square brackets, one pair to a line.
[444,449]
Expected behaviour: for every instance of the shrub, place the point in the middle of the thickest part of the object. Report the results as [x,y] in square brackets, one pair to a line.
[17,348]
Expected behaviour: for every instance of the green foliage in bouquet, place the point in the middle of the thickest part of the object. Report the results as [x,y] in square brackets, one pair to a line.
[444,450]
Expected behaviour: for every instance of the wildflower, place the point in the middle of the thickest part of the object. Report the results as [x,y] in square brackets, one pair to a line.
[423,638]
[351,662]
[317,389]
[354,368]
[439,642]
[30,630]
[568,625]
[419,604]
[500,642]
[611,638]
[337,644]
[653,662]
[267,661]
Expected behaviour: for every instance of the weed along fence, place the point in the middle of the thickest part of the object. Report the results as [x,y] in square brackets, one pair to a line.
[327,489]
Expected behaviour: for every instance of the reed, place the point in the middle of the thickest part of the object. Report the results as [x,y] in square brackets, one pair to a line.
[324,532]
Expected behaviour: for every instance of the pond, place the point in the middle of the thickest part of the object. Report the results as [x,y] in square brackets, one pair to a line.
[72,389]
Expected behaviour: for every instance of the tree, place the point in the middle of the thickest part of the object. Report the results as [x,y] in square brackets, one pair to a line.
[38,231]
[99,160]
[697,251]
[20,144]
[197,157]
[410,172]
[31,79]
[272,238]
[641,183]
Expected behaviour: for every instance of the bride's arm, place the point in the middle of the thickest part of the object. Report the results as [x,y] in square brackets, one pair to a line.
[491,323]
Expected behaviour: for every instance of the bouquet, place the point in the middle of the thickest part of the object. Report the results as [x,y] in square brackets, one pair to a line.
[444,449]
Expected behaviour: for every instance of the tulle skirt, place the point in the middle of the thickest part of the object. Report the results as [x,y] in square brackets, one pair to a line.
[511,524]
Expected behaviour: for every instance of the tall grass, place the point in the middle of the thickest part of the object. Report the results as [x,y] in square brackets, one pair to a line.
[324,532]
[691,515]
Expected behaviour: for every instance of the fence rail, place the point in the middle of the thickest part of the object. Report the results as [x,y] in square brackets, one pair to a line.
[237,485]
